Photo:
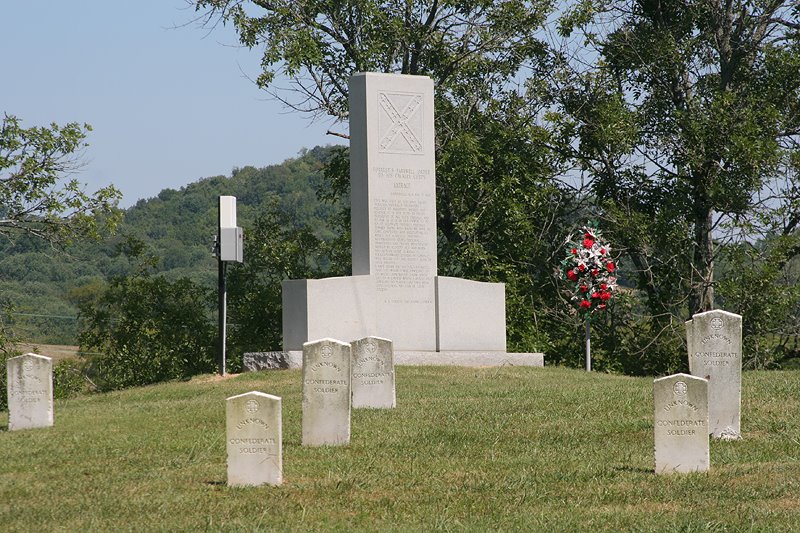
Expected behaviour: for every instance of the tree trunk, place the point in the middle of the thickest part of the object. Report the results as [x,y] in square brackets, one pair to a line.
[702,297]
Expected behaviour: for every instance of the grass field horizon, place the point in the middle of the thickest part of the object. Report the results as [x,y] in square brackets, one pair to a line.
[57,352]
[512,448]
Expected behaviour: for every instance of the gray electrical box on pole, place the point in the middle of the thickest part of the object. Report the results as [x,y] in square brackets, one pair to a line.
[231,242]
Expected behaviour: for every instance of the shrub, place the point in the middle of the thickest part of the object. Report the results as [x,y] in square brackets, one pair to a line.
[68,378]
[148,329]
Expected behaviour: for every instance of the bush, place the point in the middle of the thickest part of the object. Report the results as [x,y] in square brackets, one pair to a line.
[68,379]
[148,329]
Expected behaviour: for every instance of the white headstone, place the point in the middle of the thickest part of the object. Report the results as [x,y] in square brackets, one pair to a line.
[254,439]
[393,176]
[714,341]
[681,424]
[326,393]
[30,391]
[373,373]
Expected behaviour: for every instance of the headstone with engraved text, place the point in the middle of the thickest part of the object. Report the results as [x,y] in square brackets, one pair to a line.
[326,393]
[714,342]
[681,424]
[373,373]
[254,437]
[30,391]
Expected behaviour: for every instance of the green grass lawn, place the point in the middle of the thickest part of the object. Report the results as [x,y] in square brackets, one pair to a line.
[511,449]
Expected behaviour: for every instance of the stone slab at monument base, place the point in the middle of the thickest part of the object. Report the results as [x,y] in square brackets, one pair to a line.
[337,308]
[467,315]
[255,361]
[470,315]
[468,358]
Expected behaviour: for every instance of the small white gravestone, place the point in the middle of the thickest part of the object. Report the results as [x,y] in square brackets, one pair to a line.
[30,391]
[681,424]
[326,393]
[373,373]
[714,341]
[254,439]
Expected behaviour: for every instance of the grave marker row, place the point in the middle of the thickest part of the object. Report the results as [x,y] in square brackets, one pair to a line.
[336,376]
[689,408]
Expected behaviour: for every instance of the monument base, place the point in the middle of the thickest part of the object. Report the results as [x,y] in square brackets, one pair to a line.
[255,361]
[467,315]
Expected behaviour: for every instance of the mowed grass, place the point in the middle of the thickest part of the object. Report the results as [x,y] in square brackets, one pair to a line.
[508,449]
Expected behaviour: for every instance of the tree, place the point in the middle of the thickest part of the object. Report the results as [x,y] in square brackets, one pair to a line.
[37,197]
[687,116]
[471,46]
[673,123]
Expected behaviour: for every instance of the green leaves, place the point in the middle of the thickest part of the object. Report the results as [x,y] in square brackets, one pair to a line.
[469,47]
[148,329]
[36,195]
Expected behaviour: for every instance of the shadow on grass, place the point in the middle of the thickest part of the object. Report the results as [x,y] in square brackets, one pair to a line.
[215,483]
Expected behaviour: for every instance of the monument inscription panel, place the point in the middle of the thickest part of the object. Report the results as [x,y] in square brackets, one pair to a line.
[393,176]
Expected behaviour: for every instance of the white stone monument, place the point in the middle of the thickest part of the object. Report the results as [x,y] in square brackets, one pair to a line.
[714,342]
[30,391]
[254,437]
[681,424]
[373,373]
[395,292]
[326,393]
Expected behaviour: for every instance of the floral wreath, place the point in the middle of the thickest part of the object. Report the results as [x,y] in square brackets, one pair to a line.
[588,268]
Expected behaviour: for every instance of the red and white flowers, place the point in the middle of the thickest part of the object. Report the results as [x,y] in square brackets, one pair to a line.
[588,268]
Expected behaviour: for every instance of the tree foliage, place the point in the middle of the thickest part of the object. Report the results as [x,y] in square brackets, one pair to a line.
[687,116]
[276,250]
[470,47]
[674,124]
[37,196]
[498,209]
[146,329]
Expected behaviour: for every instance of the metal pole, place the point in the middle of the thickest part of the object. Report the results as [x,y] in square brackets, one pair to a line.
[223,315]
[588,346]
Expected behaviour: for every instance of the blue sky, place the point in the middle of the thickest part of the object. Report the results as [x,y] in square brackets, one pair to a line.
[168,105]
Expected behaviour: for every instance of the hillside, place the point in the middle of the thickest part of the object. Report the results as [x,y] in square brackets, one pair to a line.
[43,285]
[496,449]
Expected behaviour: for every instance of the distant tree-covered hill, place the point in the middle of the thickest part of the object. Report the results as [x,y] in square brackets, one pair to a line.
[41,287]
